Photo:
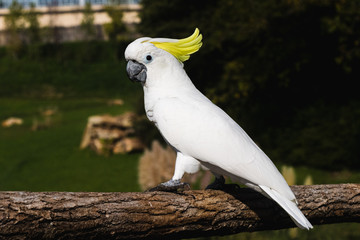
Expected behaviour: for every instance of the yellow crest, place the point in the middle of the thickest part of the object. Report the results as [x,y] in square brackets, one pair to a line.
[182,48]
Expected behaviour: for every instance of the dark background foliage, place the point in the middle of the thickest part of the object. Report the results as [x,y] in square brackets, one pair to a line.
[287,71]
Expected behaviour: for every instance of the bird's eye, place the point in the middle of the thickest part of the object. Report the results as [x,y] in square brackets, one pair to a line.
[148,58]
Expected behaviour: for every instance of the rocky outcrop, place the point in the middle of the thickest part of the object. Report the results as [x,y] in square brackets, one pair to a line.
[111,134]
[11,122]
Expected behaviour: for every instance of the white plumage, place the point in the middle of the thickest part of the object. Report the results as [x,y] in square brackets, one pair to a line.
[202,133]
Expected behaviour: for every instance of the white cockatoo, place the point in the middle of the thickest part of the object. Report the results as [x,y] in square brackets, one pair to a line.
[199,131]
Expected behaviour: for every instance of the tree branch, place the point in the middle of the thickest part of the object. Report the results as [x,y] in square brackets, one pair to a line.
[69,215]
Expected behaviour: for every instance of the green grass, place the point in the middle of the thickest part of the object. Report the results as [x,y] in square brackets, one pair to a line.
[76,79]
[50,159]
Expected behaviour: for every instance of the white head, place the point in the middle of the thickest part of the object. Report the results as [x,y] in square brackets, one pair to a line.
[150,58]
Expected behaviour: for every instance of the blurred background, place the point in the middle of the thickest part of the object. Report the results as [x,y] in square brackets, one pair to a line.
[286,71]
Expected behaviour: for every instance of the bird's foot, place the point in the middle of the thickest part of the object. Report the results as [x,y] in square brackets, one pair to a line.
[219,184]
[171,186]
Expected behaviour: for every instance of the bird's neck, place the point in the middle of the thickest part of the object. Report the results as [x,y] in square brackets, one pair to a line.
[169,82]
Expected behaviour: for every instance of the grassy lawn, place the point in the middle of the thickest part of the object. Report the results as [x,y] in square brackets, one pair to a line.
[76,80]
[49,159]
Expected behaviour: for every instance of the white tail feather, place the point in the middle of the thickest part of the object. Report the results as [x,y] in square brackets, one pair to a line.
[289,206]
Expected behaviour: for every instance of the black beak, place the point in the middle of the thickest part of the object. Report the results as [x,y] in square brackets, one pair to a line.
[136,71]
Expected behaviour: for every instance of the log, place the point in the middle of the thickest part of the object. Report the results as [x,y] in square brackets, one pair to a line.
[149,215]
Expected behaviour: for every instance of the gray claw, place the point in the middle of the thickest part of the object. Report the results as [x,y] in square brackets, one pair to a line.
[170,186]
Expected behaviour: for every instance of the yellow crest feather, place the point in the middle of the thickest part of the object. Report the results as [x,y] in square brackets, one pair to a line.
[182,48]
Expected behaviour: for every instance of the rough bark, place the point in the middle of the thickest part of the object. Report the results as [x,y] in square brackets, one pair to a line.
[69,215]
